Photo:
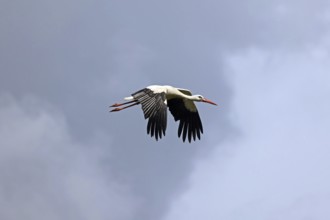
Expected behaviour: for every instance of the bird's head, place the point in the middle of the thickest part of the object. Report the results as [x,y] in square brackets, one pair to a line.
[200,98]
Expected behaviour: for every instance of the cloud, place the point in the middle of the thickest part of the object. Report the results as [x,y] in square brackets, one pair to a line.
[277,168]
[81,56]
[46,174]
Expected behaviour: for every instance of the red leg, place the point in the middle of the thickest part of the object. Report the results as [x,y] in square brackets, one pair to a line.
[119,109]
[120,104]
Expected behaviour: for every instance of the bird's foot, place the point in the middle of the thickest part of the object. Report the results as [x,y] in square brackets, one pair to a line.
[115,105]
[116,110]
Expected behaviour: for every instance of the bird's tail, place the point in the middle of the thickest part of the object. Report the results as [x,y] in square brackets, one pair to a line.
[130,98]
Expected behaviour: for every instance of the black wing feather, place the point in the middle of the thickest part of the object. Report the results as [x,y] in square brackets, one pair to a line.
[190,122]
[154,109]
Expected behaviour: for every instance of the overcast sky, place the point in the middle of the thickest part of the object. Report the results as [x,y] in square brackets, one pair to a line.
[265,150]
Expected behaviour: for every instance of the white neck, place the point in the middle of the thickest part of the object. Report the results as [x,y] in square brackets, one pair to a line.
[173,92]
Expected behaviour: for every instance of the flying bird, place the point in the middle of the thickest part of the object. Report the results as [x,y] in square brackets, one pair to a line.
[154,101]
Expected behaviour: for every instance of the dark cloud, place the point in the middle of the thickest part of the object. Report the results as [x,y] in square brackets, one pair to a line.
[82,57]
[46,174]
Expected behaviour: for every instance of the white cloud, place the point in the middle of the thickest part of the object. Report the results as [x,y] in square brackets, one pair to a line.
[46,174]
[278,168]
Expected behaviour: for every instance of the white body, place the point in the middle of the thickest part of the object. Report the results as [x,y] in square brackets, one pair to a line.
[172,92]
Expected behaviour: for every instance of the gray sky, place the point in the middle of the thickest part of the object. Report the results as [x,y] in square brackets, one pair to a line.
[265,151]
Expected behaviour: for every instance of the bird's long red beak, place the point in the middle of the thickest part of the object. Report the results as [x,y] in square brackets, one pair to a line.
[208,101]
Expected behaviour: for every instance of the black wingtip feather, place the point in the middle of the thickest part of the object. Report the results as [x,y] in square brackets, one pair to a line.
[154,109]
[190,125]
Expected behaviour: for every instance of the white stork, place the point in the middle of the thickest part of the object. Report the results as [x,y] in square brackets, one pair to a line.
[155,100]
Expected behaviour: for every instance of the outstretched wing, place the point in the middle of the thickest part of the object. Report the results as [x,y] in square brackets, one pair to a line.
[154,109]
[190,122]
